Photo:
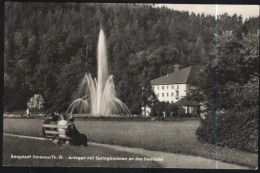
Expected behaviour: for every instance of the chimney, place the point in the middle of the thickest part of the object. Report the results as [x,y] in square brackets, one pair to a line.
[176,67]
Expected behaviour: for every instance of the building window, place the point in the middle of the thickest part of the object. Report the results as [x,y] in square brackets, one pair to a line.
[177,94]
[172,94]
[177,86]
[167,87]
[167,94]
[158,94]
[172,87]
[162,87]
[162,94]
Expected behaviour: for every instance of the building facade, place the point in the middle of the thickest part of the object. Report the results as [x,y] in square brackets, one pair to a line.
[174,87]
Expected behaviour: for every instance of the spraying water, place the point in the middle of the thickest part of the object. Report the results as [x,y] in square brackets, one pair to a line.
[99,96]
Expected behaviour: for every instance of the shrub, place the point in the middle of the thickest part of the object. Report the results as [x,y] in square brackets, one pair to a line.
[136,107]
[180,112]
[235,129]
[171,109]
[36,104]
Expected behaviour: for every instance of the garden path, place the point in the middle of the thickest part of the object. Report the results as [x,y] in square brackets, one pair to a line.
[170,160]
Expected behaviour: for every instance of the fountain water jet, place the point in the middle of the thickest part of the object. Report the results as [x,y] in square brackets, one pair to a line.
[99,94]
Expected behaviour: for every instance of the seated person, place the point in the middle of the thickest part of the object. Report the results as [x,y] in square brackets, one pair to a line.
[53,120]
[77,138]
[62,132]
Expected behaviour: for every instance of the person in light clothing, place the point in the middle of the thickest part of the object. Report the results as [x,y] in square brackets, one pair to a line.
[62,132]
[28,112]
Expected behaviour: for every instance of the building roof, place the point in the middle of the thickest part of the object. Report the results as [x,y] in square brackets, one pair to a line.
[182,76]
[185,102]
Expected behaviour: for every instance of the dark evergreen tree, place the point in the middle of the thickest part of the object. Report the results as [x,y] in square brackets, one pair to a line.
[50,46]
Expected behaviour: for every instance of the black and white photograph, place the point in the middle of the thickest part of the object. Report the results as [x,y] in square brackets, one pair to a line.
[131,85]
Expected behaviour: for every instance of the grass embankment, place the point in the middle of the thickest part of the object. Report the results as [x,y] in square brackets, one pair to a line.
[90,156]
[174,137]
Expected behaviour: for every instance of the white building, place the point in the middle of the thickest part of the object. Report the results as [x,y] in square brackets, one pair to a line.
[172,88]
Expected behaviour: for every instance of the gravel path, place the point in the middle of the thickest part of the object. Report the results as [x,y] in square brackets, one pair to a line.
[171,160]
[167,160]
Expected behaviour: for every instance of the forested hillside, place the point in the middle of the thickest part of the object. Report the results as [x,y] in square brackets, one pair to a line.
[50,46]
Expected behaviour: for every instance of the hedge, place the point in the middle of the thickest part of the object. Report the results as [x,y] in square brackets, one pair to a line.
[235,129]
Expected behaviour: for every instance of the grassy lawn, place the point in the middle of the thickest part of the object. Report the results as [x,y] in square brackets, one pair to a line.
[175,137]
[18,146]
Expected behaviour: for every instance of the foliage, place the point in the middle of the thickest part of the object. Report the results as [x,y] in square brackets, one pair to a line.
[148,97]
[158,108]
[229,86]
[171,110]
[36,102]
[230,80]
[50,46]
[235,129]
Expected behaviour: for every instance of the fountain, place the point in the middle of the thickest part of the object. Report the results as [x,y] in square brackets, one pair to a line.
[99,96]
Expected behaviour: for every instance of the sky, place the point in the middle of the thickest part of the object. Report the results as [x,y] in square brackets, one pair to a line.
[244,10]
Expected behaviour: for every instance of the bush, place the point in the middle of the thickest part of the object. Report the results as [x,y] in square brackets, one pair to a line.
[136,107]
[180,112]
[171,109]
[235,129]
[36,104]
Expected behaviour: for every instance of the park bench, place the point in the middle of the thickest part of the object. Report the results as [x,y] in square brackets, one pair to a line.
[51,131]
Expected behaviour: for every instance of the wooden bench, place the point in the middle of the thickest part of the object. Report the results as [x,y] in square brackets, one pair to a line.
[51,131]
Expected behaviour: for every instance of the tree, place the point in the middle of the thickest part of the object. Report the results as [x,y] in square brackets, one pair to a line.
[148,97]
[69,80]
[36,102]
[171,109]
[43,41]
[229,86]
[235,67]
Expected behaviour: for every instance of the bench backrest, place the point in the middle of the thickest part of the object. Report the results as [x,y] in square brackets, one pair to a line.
[51,130]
